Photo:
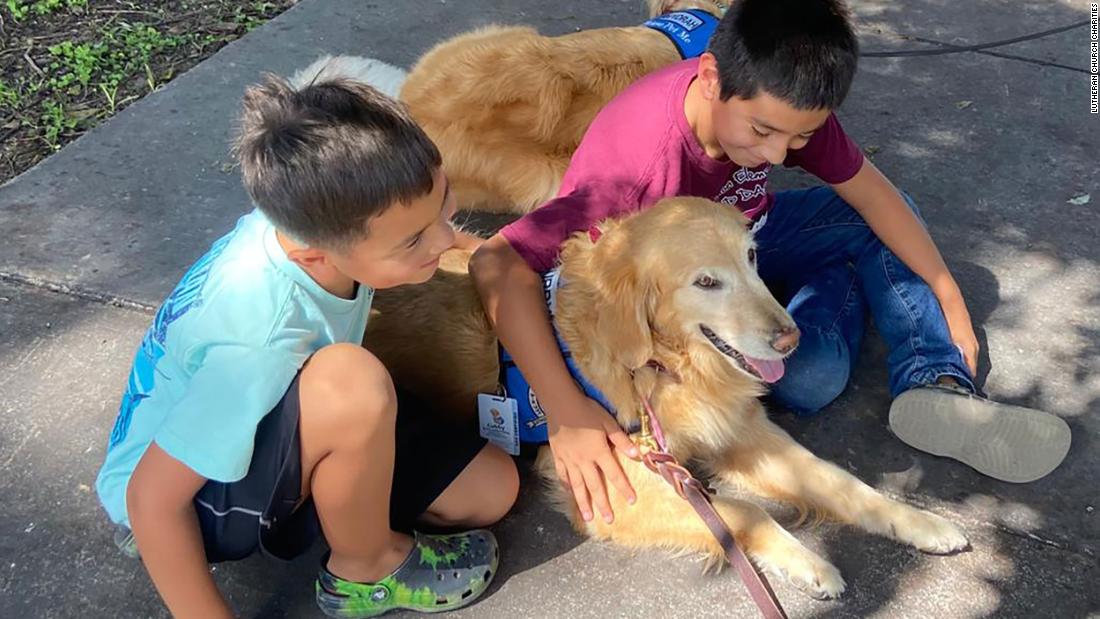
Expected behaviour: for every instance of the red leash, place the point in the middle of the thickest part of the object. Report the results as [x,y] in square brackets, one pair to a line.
[663,463]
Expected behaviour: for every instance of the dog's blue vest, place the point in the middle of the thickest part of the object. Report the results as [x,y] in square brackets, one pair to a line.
[532,420]
[689,30]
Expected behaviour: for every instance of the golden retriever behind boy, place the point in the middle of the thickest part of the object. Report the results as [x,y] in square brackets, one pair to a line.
[507,106]
[675,284]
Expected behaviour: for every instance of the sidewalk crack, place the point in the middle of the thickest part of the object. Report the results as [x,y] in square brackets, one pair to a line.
[77,292]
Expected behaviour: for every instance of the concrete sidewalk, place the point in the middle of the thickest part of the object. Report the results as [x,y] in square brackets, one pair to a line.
[990,147]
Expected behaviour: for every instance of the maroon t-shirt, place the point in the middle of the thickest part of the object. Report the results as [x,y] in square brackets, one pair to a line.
[640,149]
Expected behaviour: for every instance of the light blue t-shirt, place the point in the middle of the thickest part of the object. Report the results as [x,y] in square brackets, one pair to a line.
[221,352]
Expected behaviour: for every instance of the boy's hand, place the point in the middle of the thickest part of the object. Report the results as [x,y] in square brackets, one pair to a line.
[581,438]
[962,332]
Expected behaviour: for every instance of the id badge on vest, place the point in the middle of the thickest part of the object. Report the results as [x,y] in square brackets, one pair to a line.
[498,420]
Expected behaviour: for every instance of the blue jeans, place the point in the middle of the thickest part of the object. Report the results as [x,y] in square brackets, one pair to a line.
[820,258]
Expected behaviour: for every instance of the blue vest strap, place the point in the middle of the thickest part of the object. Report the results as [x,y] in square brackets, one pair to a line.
[689,30]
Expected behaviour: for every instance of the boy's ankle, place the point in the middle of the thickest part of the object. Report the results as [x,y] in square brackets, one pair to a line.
[948,381]
[372,569]
[954,383]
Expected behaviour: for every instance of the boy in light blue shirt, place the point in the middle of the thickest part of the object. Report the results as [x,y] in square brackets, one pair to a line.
[253,419]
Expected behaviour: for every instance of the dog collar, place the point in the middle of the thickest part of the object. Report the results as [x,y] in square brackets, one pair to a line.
[689,31]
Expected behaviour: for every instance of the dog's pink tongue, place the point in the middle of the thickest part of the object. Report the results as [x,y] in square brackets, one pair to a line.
[770,370]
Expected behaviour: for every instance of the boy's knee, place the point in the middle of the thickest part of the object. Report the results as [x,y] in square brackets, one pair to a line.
[502,486]
[347,384]
[815,376]
[488,495]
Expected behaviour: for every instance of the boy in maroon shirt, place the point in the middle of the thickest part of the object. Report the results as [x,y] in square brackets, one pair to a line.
[763,95]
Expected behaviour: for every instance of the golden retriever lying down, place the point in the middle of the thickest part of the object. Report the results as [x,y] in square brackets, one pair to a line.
[508,106]
[675,284]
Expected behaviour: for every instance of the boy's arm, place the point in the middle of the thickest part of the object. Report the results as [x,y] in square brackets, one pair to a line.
[884,209]
[579,428]
[162,516]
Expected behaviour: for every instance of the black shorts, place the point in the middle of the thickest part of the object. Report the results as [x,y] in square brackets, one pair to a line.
[258,511]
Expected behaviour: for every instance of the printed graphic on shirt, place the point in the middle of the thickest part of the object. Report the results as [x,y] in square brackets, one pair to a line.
[186,297]
[745,188]
[551,280]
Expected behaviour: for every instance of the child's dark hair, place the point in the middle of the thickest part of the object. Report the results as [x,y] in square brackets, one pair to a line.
[801,51]
[321,161]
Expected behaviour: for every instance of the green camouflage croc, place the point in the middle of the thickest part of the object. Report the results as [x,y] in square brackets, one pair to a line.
[442,572]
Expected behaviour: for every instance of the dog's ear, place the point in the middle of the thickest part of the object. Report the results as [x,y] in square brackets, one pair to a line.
[628,301]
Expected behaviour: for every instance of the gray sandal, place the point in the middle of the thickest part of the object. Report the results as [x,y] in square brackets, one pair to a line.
[1006,442]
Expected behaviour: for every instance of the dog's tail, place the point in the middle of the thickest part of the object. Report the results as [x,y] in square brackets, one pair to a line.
[387,78]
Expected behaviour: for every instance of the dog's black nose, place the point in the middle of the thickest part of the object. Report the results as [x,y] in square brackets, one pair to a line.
[786,339]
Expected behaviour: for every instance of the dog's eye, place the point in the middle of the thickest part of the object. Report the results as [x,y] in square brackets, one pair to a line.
[706,282]
[752,257]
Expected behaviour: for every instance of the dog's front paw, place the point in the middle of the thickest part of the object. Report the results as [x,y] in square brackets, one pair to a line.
[821,581]
[807,571]
[931,533]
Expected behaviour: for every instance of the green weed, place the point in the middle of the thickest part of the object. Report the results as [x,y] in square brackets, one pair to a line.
[9,96]
[55,122]
[20,8]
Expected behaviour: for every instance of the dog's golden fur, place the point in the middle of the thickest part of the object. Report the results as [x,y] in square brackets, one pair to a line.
[508,106]
[630,297]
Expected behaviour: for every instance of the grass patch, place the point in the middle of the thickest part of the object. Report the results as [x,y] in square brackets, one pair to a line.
[67,65]
[21,9]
